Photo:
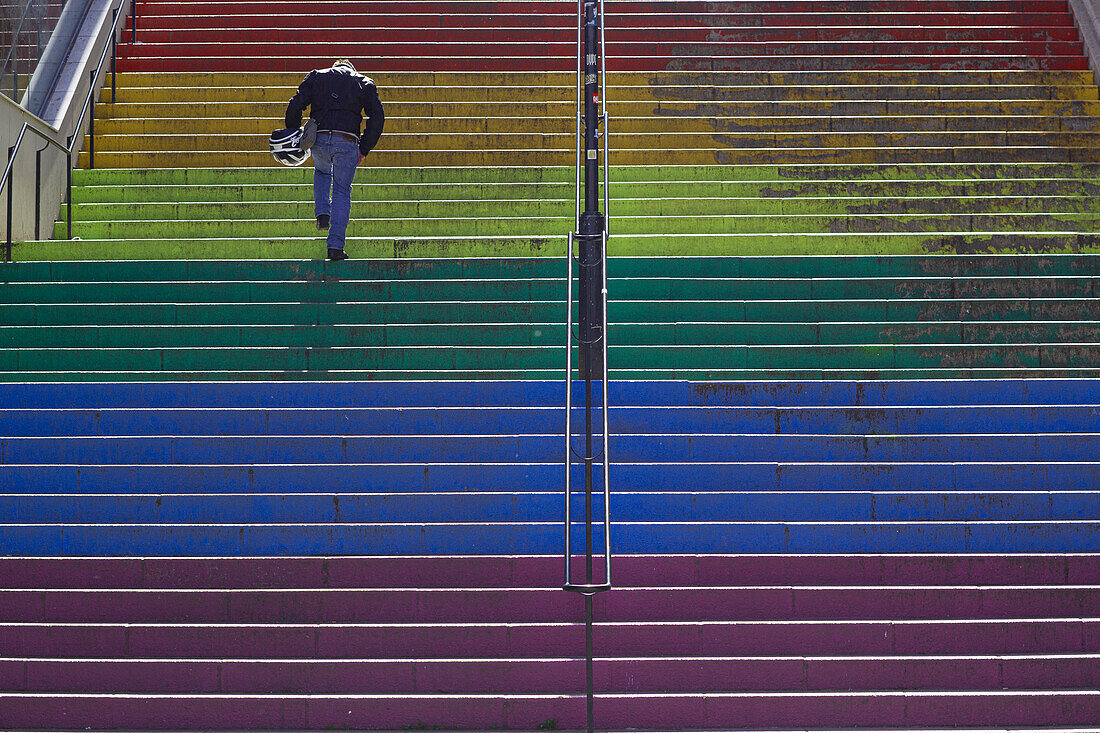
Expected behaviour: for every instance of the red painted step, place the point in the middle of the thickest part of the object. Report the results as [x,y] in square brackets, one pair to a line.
[1041,41]
[517,46]
[373,64]
[566,7]
[1012,24]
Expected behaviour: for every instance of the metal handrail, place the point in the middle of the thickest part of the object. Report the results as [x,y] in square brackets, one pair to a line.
[587,588]
[15,34]
[11,51]
[70,146]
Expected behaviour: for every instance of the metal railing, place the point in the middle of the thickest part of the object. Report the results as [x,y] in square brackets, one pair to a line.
[589,586]
[43,24]
[70,145]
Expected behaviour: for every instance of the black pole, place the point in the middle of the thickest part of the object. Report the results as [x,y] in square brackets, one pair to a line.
[69,187]
[114,54]
[38,194]
[11,187]
[590,304]
[91,126]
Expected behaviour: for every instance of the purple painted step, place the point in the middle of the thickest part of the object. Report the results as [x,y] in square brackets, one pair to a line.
[486,605]
[543,571]
[553,675]
[468,642]
[526,641]
[747,710]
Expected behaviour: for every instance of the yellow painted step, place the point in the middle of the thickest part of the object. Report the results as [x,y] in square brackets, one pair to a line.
[421,159]
[568,79]
[564,140]
[534,92]
[276,110]
[541,123]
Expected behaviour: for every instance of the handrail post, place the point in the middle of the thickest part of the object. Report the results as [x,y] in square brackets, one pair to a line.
[69,188]
[11,188]
[38,192]
[114,53]
[91,124]
[133,21]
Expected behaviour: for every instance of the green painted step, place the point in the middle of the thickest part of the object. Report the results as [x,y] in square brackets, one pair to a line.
[1048,190]
[685,245]
[800,172]
[704,204]
[523,333]
[548,220]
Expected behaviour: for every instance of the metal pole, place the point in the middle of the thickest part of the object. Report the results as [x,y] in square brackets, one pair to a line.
[38,193]
[69,188]
[568,407]
[11,188]
[589,676]
[591,238]
[114,54]
[91,125]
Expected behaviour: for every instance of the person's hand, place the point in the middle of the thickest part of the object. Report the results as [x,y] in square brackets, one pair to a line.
[361,159]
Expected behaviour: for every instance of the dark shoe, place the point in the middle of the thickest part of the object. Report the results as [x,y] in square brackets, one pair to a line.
[322,222]
[337,254]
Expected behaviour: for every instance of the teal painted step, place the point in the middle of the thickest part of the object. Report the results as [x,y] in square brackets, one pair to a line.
[544,358]
[971,316]
[512,267]
[687,374]
[525,333]
[534,289]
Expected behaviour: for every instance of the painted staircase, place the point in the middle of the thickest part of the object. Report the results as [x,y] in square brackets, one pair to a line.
[854,408]
[780,127]
[699,318]
[331,556]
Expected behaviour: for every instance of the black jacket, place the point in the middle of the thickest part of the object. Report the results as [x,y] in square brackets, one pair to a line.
[337,98]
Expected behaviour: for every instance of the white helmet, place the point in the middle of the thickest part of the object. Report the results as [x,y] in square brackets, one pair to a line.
[286,146]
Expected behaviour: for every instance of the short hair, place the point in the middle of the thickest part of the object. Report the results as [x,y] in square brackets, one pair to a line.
[343,62]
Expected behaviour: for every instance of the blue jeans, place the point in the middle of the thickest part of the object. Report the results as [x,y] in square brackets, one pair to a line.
[334,162]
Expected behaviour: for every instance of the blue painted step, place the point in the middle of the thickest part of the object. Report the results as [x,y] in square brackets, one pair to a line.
[523,506]
[529,420]
[550,394]
[785,475]
[548,448]
[539,538]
